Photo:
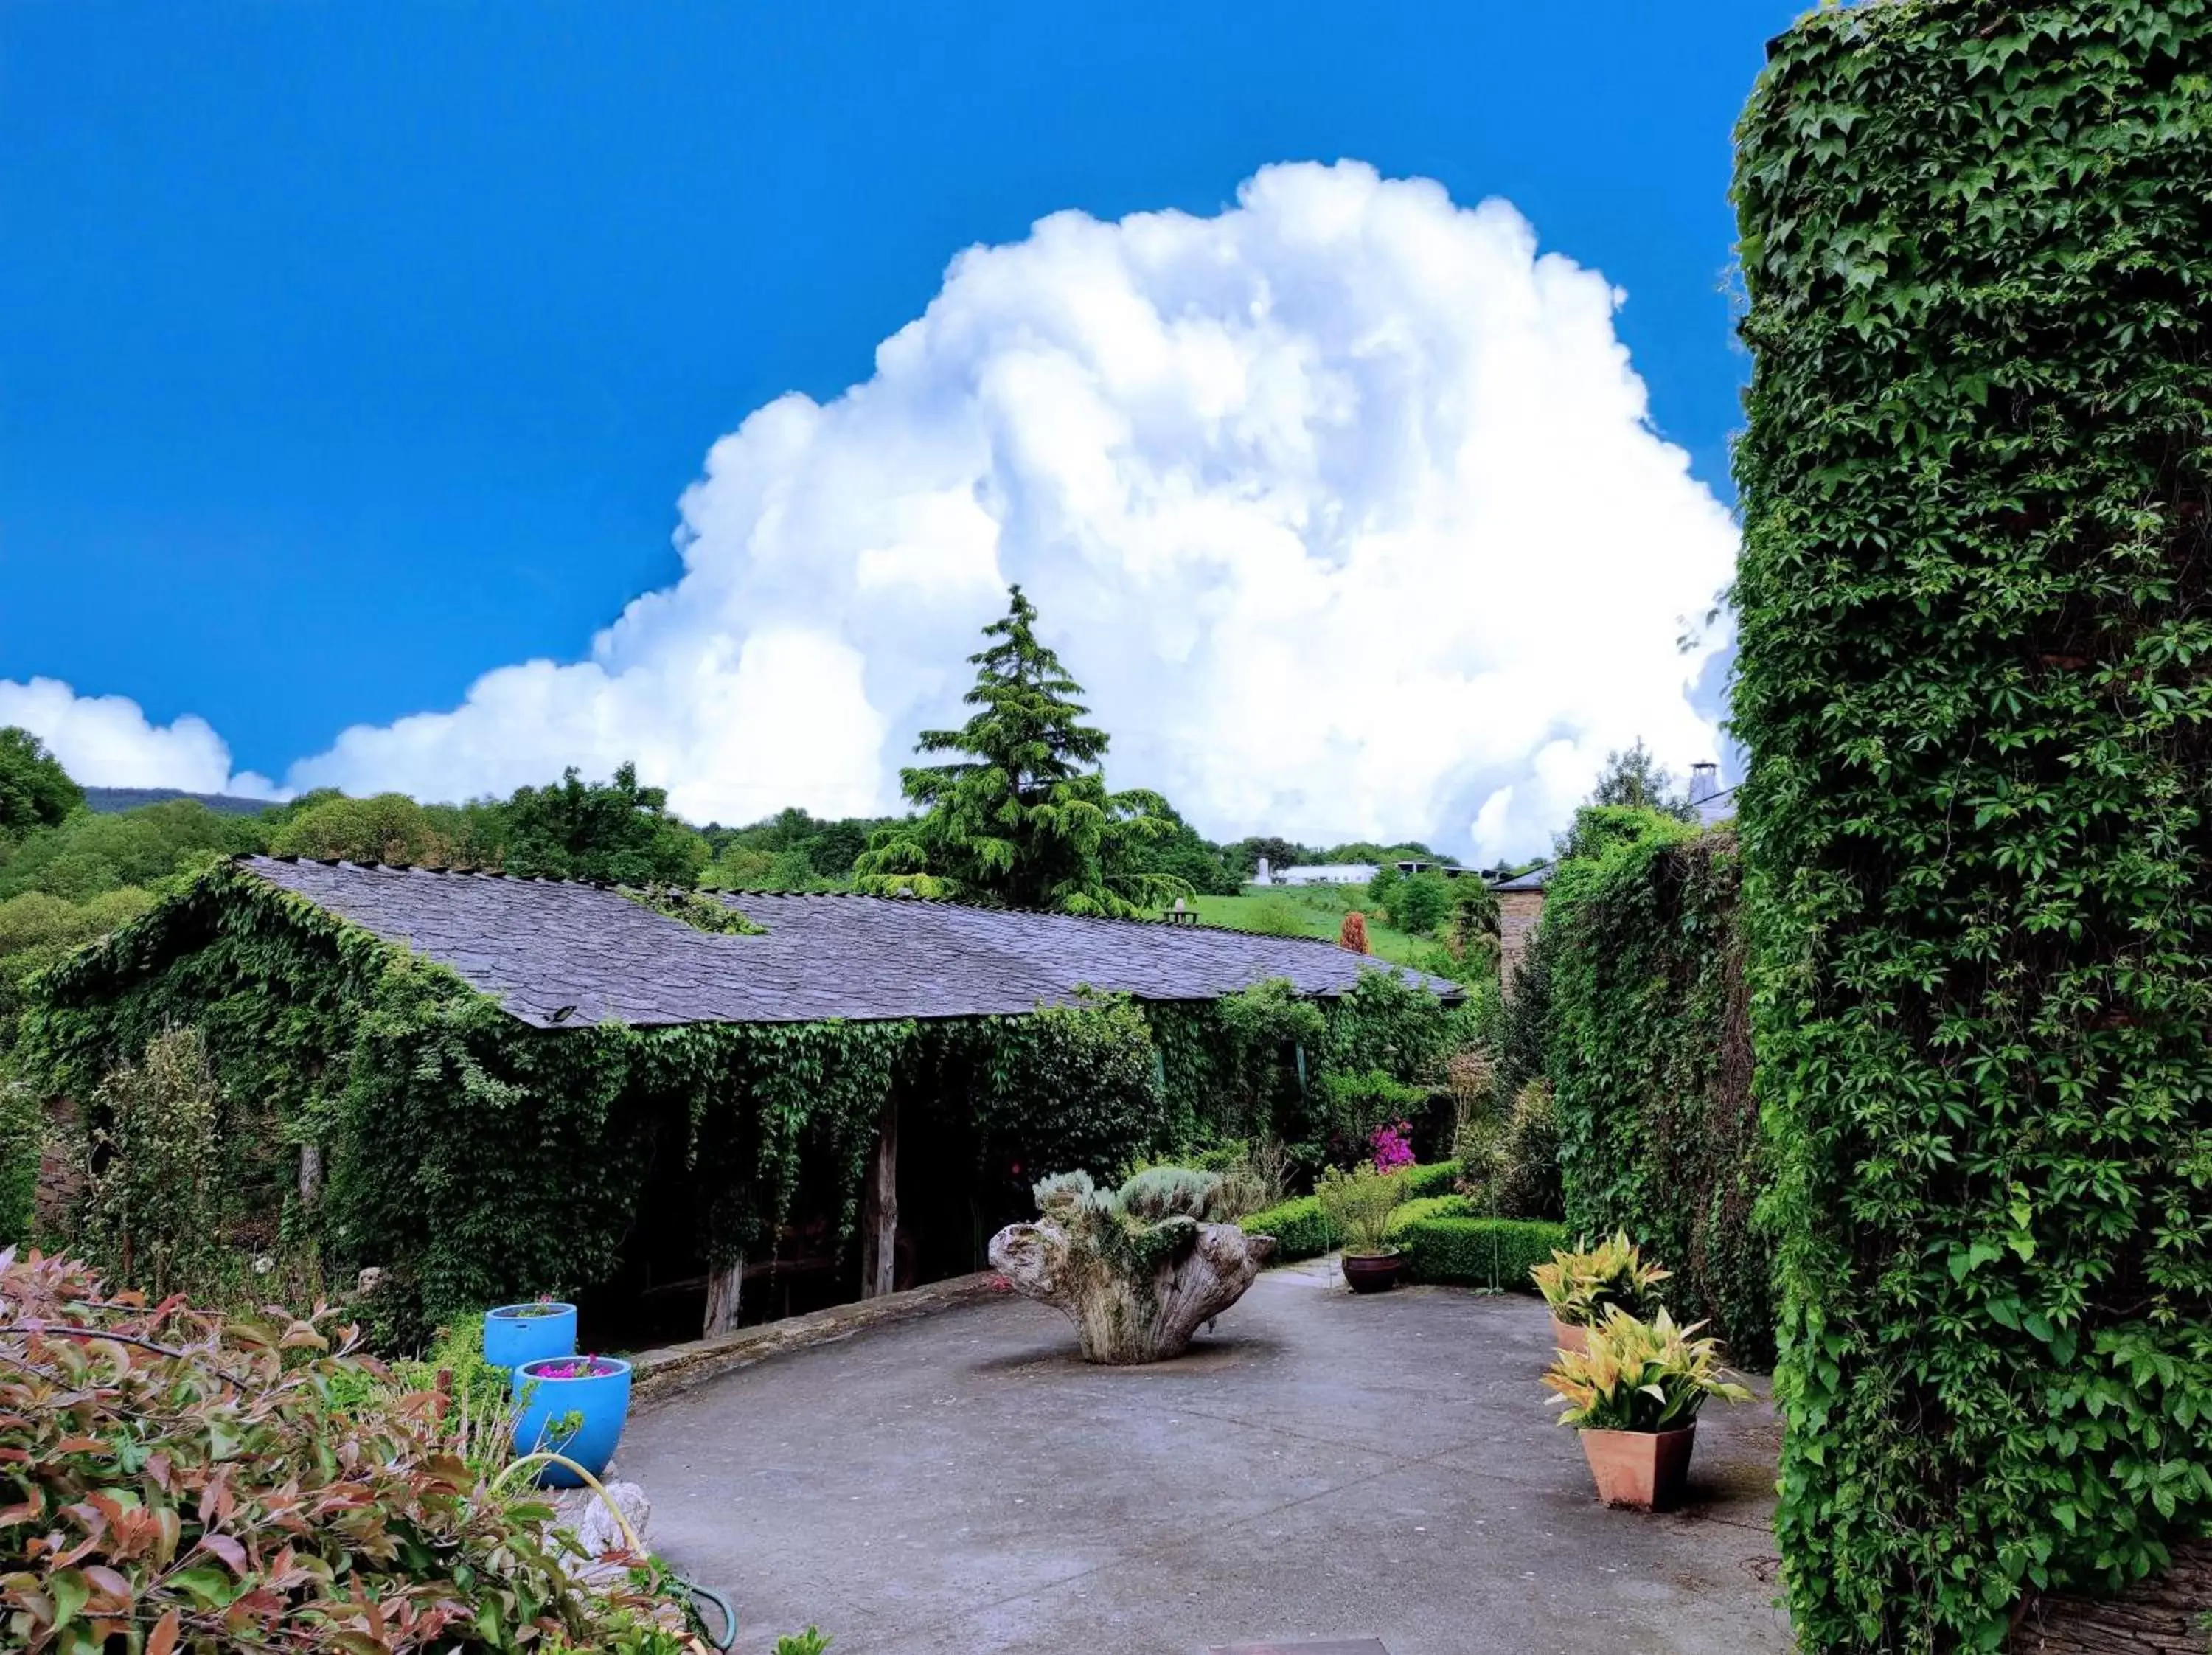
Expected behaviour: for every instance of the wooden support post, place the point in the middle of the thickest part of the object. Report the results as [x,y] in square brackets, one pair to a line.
[722,1287]
[879,1209]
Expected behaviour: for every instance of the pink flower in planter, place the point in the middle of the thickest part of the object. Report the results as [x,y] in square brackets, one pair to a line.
[1393,1149]
[573,1367]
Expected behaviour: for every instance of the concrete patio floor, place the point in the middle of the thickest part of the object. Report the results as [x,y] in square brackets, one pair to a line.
[1321,1466]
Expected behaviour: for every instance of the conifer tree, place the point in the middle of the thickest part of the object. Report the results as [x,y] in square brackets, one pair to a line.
[1022,818]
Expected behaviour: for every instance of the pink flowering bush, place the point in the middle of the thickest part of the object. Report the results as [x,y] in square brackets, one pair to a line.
[1393,1147]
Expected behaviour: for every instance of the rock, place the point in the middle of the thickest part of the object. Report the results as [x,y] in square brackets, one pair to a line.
[583,1513]
[369,1280]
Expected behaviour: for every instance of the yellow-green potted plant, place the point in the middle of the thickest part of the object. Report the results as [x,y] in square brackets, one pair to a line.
[1580,1286]
[1633,1394]
[1358,1204]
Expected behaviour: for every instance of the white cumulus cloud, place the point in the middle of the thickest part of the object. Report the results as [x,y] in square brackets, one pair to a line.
[1344,503]
[107,741]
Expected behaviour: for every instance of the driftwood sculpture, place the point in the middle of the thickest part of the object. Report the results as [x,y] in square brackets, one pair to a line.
[1138,1269]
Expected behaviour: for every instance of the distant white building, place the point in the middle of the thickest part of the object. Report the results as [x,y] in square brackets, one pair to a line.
[1327,873]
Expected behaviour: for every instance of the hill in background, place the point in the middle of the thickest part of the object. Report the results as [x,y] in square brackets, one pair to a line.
[110,801]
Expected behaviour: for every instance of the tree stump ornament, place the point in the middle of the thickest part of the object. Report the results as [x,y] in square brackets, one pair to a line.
[1139,1269]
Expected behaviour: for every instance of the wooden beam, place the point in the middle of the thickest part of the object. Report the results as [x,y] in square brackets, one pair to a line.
[311,1175]
[879,1209]
[722,1285]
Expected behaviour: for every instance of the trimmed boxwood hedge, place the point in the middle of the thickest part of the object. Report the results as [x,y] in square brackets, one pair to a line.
[1301,1232]
[1975,603]
[1297,1225]
[1479,1252]
[1443,1240]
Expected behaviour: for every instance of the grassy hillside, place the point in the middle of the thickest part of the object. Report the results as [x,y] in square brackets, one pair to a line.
[1316,911]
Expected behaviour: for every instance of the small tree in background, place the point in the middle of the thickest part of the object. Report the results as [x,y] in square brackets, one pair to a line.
[1024,819]
[1635,777]
[152,1208]
[1630,781]
[1242,858]
[1419,903]
[35,791]
[1352,934]
[615,830]
[387,828]
[1473,933]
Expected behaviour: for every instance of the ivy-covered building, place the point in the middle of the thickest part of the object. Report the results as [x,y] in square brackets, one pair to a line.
[489,1086]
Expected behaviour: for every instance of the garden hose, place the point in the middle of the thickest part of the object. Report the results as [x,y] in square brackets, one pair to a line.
[723,1607]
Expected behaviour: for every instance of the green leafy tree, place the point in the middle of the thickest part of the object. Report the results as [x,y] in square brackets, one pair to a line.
[614,830]
[790,851]
[1368,850]
[1475,921]
[1184,854]
[154,1204]
[35,791]
[387,828]
[1242,858]
[1419,903]
[1025,818]
[1635,780]
[90,853]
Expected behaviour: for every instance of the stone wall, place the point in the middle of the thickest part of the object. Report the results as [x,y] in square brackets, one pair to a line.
[61,1175]
[1517,914]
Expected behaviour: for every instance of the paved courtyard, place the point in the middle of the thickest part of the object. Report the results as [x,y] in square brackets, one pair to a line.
[1321,1466]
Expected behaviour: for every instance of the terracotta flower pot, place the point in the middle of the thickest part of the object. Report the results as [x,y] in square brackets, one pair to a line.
[1643,1469]
[1565,1336]
[1373,1272]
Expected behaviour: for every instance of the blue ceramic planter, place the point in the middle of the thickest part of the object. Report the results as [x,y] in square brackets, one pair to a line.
[580,1418]
[510,1338]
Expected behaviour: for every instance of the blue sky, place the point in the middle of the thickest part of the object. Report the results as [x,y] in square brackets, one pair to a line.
[348,352]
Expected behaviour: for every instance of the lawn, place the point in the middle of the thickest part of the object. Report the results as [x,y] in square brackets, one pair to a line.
[1318,910]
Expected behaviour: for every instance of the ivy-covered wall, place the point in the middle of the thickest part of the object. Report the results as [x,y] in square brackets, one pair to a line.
[1976,677]
[1649,1051]
[476,1158]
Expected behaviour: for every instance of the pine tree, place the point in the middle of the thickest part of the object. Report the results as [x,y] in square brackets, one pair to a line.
[1023,820]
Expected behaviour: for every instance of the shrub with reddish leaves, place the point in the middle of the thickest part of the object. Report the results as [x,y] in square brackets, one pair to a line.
[171,1480]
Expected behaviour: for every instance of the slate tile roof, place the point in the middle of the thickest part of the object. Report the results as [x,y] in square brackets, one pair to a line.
[1535,880]
[560,954]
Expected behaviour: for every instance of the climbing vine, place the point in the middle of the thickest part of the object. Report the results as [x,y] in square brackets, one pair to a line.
[1649,1060]
[696,909]
[1976,627]
[475,1158]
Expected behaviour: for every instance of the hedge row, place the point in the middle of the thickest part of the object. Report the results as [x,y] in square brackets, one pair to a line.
[1442,1239]
[1301,1231]
[1481,1252]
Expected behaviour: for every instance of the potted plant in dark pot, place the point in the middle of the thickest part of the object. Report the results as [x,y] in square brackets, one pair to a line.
[1581,1286]
[515,1334]
[572,1406]
[1634,1394]
[1358,1204]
